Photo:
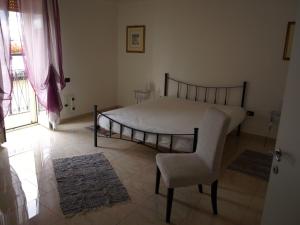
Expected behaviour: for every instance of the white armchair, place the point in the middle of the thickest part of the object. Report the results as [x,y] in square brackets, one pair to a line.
[201,167]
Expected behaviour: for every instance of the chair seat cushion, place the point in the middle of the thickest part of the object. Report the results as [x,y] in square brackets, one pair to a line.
[178,170]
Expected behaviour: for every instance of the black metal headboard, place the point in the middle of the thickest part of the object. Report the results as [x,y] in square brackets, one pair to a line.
[206,90]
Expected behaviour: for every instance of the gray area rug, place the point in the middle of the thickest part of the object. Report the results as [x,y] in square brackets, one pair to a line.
[253,163]
[87,182]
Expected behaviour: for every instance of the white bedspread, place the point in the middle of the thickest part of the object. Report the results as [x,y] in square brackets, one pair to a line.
[167,115]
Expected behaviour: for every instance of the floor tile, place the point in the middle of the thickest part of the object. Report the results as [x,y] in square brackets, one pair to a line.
[27,177]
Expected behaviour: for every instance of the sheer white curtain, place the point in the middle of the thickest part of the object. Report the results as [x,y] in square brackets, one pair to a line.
[41,42]
[5,75]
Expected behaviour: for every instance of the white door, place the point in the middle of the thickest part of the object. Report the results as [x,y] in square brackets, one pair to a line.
[282,205]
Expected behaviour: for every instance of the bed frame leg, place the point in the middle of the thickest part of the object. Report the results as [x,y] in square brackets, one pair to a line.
[242,105]
[166,84]
[238,131]
[196,130]
[95,125]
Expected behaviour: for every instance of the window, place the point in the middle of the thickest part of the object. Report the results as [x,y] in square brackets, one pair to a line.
[20,98]
[23,103]
[13,6]
[17,64]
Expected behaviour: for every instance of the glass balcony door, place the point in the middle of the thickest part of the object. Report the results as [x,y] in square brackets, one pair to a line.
[23,105]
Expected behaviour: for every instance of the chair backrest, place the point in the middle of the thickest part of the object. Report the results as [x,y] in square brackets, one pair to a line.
[211,138]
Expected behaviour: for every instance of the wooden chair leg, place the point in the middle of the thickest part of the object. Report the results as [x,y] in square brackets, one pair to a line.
[214,189]
[157,180]
[200,188]
[169,204]
[238,133]
[95,126]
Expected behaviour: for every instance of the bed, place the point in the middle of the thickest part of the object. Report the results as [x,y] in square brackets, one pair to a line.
[170,123]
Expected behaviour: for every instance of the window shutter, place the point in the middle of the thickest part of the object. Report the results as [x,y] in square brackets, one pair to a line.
[13,5]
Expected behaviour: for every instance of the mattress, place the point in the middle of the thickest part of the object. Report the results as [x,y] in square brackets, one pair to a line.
[168,115]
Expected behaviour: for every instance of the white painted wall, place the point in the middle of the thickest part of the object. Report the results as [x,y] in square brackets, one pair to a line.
[89,37]
[209,42]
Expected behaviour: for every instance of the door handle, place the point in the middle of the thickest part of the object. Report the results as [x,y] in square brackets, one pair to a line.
[278,154]
[275,170]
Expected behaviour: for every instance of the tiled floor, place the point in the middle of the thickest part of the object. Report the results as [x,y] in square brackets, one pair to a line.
[28,193]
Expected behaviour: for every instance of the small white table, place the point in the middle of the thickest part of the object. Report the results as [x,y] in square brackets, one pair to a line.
[141,95]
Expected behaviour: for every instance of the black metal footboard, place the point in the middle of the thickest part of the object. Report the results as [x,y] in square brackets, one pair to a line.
[110,134]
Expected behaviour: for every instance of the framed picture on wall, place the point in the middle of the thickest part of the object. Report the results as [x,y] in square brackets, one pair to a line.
[289,40]
[135,39]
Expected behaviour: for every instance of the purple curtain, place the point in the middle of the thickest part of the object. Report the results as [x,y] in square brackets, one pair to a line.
[41,44]
[5,75]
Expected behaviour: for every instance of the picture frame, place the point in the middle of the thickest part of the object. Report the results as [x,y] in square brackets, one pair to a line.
[289,40]
[135,39]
